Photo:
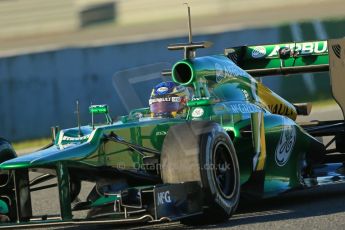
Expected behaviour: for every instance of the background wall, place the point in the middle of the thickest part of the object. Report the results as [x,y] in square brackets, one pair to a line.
[38,90]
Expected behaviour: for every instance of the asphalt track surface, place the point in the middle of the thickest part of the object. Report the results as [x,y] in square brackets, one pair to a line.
[317,208]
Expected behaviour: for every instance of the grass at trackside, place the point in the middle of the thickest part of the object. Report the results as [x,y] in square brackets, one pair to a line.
[30,144]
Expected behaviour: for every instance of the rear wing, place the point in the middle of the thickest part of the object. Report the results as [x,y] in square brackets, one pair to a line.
[278,59]
[297,57]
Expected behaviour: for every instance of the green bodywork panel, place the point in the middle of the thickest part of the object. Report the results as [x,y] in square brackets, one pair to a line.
[105,200]
[234,117]
[89,150]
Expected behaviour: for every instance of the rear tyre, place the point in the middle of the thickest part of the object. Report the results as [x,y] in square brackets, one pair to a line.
[6,180]
[202,151]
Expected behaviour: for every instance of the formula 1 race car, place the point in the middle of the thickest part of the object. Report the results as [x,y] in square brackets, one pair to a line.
[236,138]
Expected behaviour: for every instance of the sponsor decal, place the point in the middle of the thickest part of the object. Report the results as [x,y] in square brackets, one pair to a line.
[200,98]
[242,108]
[235,71]
[161,133]
[162,90]
[258,52]
[166,99]
[285,145]
[66,138]
[246,94]
[99,109]
[163,198]
[73,140]
[198,112]
[137,115]
[305,48]
[230,70]
[280,109]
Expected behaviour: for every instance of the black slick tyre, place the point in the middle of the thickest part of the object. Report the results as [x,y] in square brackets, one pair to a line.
[202,151]
[6,180]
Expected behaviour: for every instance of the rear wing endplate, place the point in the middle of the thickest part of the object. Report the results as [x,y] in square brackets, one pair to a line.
[336,49]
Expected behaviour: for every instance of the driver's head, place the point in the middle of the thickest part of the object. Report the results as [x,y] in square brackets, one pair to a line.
[169,99]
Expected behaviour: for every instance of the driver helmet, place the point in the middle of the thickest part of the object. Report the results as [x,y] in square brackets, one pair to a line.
[169,99]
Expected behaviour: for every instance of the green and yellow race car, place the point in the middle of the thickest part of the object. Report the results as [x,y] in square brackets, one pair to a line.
[211,135]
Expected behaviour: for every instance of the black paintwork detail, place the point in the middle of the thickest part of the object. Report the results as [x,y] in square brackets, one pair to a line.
[340,142]
[22,192]
[138,148]
[324,128]
[337,50]
[254,187]
[178,200]
[237,54]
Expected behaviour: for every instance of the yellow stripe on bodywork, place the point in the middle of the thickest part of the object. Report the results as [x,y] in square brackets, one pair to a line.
[274,103]
[259,141]
[262,156]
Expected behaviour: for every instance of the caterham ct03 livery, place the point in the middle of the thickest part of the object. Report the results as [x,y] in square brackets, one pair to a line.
[211,135]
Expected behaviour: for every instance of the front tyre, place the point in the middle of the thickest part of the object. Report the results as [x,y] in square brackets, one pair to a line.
[6,182]
[202,151]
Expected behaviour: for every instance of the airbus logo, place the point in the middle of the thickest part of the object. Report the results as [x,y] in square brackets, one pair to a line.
[303,48]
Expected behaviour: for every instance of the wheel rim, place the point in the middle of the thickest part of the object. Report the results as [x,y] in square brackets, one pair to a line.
[224,170]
